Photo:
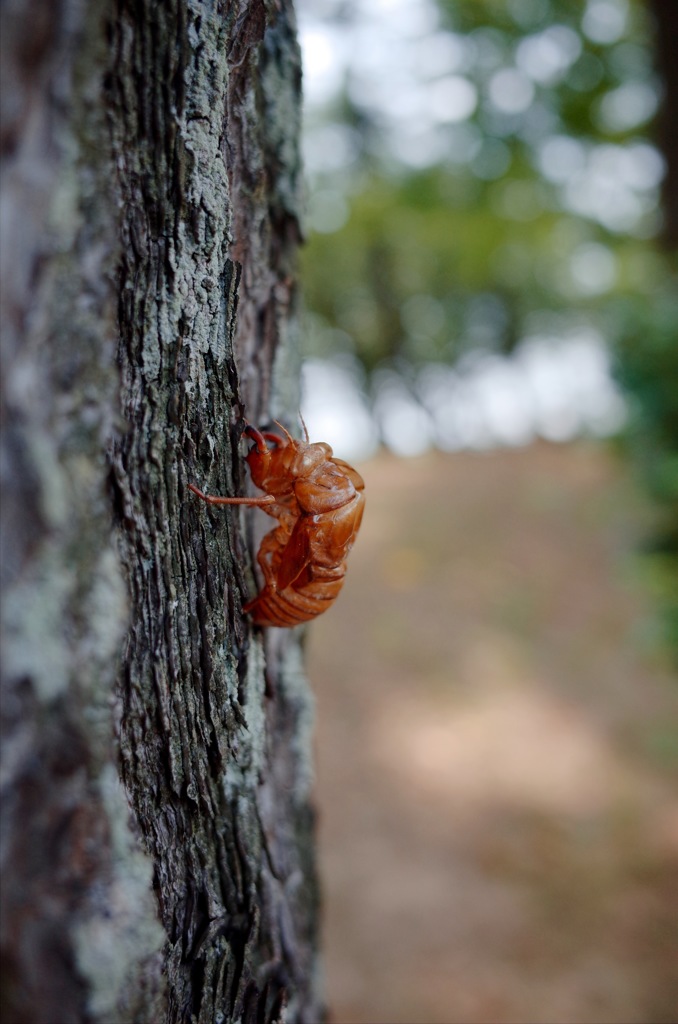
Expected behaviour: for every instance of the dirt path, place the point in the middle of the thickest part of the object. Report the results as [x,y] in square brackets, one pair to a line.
[495,755]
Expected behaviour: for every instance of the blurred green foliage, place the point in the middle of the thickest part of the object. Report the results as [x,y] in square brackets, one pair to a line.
[529,204]
[490,229]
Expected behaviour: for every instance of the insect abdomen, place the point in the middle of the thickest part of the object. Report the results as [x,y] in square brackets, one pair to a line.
[290,607]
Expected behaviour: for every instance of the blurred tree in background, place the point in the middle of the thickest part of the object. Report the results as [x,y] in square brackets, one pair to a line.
[647,350]
[483,173]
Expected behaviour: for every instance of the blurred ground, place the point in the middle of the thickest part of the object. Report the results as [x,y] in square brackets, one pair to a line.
[495,756]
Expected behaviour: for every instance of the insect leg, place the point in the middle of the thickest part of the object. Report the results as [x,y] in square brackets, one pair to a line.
[270,550]
[275,438]
[267,499]
[257,437]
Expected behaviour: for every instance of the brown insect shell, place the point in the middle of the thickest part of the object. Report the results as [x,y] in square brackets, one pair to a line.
[318,501]
[277,470]
[308,484]
[329,498]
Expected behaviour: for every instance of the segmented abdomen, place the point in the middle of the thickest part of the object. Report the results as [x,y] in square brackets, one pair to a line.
[290,607]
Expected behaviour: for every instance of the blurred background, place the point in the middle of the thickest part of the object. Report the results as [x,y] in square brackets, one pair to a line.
[491,336]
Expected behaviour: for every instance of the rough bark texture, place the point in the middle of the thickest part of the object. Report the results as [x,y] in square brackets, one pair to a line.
[666,33]
[150,222]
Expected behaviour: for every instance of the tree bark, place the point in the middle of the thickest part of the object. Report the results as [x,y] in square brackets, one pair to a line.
[666,29]
[150,225]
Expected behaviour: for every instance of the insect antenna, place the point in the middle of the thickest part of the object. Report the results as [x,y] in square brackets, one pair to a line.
[303,423]
[285,432]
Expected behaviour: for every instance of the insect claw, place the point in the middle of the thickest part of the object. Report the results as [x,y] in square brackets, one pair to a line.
[257,437]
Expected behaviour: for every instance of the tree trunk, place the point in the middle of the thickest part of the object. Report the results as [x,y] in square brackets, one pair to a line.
[666,31]
[150,223]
